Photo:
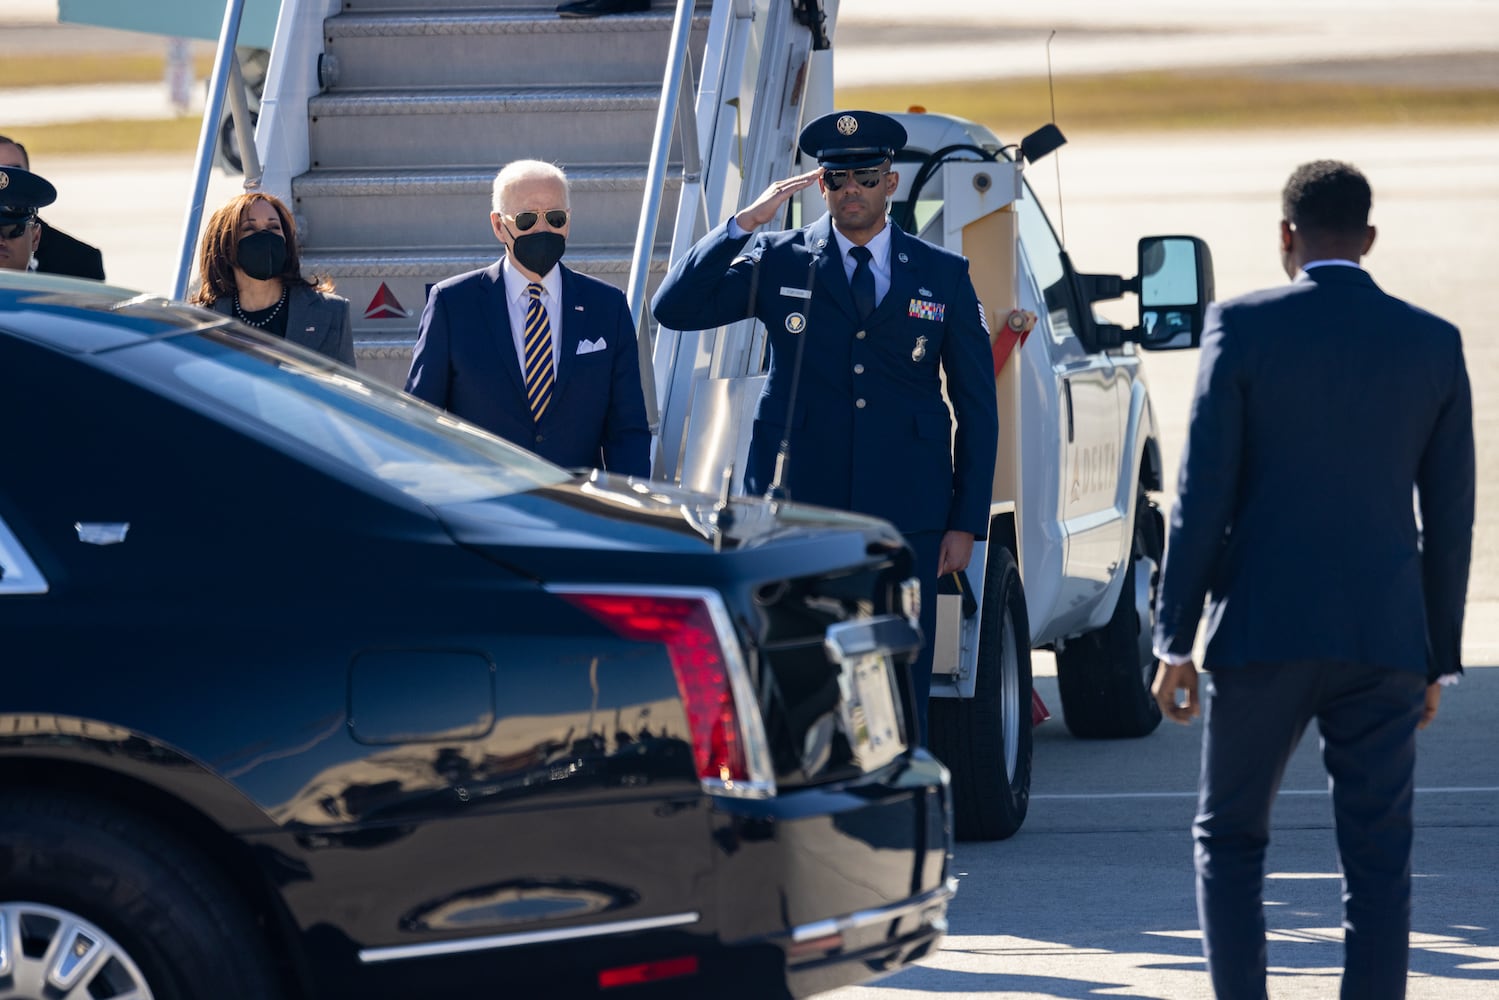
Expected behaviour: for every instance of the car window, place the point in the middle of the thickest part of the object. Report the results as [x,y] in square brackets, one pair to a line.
[360,423]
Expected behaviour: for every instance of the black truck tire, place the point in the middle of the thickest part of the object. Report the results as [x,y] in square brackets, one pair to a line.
[985,741]
[1104,677]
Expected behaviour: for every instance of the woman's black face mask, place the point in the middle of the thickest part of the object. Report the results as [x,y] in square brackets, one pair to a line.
[262,254]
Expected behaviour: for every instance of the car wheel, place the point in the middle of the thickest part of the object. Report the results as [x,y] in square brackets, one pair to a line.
[97,902]
[985,741]
[1104,676]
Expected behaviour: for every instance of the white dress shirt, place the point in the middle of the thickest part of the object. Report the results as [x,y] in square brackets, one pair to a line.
[519,300]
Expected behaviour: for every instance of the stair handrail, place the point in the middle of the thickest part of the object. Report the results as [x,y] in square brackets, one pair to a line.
[678,76]
[226,80]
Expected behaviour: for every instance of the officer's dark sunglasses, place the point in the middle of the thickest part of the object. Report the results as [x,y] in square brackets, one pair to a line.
[866,176]
[14,230]
[556,218]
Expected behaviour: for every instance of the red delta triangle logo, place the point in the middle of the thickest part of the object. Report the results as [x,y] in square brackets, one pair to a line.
[385,305]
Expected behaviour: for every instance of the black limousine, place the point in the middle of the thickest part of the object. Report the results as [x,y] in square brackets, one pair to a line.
[313,691]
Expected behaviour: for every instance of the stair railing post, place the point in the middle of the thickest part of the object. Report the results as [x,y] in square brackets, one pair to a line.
[677,75]
[223,58]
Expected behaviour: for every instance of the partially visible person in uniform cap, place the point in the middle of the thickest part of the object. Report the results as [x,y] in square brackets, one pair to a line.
[21,194]
[878,317]
[56,252]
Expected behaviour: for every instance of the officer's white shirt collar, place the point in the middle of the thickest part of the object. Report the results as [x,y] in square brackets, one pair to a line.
[879,258]
[879,249]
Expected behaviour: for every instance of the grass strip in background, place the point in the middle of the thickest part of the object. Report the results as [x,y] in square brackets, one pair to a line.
[82,69]
[109,137]
[1169,100]
[1012,108]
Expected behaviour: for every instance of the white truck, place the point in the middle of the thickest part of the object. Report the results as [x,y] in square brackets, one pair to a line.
[382,122]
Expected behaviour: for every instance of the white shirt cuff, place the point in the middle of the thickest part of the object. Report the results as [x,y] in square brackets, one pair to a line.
[1174,659]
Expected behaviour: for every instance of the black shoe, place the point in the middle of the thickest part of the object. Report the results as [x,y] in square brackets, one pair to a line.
[595,8]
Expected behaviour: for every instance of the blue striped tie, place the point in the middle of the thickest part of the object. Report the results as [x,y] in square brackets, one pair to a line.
[539,375]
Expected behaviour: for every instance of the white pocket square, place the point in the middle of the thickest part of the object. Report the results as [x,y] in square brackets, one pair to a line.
[589,346]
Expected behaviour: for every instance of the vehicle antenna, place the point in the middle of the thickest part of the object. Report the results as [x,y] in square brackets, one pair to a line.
[1052,92]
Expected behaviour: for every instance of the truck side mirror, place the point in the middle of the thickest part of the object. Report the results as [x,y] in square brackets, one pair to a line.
[1175,284]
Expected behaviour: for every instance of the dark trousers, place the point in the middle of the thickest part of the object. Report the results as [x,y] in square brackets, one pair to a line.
[928,547]
[1253,718]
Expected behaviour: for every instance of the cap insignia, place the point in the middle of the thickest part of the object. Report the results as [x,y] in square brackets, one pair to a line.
[848,124]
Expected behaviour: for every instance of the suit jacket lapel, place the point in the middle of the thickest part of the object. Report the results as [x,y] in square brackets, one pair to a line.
[494,330]
[832,280]
[302,320]
[905,278]
[568,329]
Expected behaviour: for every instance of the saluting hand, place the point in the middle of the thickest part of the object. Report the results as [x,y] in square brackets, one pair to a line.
[1171,678]
[767,208]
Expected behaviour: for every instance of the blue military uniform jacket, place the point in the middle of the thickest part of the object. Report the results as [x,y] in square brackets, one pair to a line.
[465,363]
[868,430]
[1319,405]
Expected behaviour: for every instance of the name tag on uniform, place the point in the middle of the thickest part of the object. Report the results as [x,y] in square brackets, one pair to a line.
[922,309]
[796,293]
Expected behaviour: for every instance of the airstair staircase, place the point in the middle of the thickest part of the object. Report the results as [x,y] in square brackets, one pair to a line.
[383,123]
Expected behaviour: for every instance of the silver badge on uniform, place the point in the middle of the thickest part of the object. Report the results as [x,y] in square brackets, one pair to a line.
[924,291]
[796,323]
[919,351]
[903,258]
[848,124]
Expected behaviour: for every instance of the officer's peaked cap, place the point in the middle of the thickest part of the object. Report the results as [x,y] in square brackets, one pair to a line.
[22,193]
[846,140]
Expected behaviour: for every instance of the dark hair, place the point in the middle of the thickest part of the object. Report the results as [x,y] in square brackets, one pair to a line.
[1327,196]
[220,249]
[6,140]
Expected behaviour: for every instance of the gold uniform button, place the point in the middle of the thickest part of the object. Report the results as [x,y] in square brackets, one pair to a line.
[858,369]
[859,403]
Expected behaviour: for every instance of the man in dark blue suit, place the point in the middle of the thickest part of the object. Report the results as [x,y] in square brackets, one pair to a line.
[531,350]
[1320,406]
[864,322]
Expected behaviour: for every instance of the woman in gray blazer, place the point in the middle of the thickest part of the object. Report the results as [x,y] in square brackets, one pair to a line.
[250,268]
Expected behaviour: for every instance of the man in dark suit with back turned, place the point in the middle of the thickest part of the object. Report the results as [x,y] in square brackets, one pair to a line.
[56,251]
[1320,405]
[531,350]
[864,323]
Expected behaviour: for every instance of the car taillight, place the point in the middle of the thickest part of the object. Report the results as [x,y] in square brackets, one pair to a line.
[728,741]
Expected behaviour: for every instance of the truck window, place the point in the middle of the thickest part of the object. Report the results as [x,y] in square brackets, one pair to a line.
[1044,255]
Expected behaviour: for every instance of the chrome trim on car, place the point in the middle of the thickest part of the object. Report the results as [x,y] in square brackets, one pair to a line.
[885,635]
[18,574]
[761,783]
[883,914]
[394,953]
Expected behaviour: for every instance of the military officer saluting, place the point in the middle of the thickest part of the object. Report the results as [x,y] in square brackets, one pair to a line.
[21,194]
[864,322]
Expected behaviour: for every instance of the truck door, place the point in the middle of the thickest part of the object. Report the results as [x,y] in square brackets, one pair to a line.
[1088,429]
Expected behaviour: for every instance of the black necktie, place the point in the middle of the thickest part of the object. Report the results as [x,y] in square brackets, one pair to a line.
[863,282]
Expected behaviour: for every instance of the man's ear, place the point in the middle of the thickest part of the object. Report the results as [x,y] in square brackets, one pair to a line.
[1286,236]
[36,236]
[1369,239]
[498,226]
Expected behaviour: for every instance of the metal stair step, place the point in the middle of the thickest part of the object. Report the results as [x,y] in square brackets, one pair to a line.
[550,9]
[481,127]
[490,48]
[446,207]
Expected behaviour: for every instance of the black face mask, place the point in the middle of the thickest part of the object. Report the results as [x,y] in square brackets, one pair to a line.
[262,255]
[539,252]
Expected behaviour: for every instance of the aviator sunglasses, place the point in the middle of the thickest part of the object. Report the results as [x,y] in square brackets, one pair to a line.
[866,176]
[556,218]
[13,230]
